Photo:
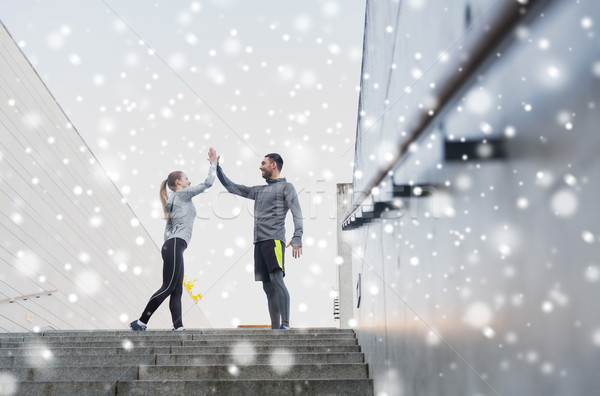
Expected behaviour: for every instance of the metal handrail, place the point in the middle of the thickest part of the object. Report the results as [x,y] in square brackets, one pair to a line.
[28,296]
[499,30]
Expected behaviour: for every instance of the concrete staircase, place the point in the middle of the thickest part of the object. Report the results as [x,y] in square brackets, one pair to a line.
[194,362]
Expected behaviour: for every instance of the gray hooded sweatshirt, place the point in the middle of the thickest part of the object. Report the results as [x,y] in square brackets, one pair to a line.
[271,204]
[182,211]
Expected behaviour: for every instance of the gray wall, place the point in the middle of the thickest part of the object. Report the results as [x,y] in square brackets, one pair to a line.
[64,225]
[489,285]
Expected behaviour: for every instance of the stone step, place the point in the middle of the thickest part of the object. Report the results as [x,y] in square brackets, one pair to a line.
[66,351]
[236,332]
[176,360]
[77,361]
[177,337]
[195,343]
[267,349]
[293,329]
[258,358]
[329,387]
[333,387]
[92,373]
[285,369]
[61,388]
[282,370]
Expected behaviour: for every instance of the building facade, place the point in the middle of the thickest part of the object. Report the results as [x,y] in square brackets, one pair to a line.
[476,234]
[73,255]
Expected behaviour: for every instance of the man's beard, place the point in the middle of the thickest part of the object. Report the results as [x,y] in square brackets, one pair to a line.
[267,174]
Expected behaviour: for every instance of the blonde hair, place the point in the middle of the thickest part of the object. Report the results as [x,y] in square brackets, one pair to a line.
[171,182]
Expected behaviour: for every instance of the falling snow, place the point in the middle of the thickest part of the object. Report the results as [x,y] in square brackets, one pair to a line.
[290,83]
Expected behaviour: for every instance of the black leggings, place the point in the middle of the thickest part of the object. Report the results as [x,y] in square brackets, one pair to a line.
[172,254]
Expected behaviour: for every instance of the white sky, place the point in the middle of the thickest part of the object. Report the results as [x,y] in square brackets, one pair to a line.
[246,77]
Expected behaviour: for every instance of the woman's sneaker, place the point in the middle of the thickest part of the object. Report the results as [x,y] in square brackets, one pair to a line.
[135,326]
[178,329]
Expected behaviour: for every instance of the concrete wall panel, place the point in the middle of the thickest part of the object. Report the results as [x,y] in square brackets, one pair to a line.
[64,224]
[487,286]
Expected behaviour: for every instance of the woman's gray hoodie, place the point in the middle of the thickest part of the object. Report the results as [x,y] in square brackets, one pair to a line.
[182,211]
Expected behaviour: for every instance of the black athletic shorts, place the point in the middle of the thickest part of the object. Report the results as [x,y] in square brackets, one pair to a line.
[268,257]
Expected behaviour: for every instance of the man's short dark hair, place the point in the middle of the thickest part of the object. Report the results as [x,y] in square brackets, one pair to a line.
[277,158]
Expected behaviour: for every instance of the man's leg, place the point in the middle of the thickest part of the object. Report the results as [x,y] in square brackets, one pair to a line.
[273,302]
[282,296]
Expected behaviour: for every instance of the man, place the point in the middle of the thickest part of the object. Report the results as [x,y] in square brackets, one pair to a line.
[271,204]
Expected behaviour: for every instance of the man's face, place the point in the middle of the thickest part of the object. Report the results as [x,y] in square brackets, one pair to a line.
[266,168]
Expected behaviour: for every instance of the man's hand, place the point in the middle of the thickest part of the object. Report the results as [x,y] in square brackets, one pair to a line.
[296,250]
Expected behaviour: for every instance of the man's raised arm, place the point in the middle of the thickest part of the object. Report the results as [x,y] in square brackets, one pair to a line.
[237,189]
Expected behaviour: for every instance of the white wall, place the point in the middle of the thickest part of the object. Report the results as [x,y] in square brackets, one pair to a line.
[64,226]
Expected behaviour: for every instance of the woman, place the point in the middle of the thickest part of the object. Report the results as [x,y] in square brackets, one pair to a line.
[180,213]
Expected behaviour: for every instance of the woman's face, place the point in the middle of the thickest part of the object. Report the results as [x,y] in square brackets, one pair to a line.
[184,182]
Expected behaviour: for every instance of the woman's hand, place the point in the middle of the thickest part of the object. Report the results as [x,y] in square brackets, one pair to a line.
[212,155]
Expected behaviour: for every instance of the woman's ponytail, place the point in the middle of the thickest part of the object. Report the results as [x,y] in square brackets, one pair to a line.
[170,182]
[164,197]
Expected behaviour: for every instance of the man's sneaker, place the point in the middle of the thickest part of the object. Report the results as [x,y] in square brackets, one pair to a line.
[135,326]
[282,327]
[178,329]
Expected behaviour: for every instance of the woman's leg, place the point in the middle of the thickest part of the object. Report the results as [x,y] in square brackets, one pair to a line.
[169,271]
[175,300]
